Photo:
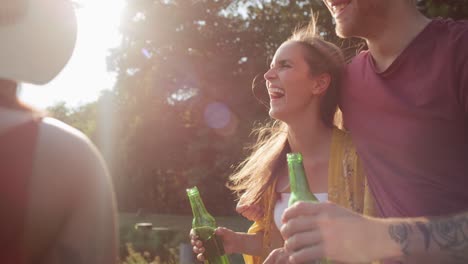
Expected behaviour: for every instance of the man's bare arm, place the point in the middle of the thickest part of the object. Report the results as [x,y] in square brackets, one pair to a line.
[432,240]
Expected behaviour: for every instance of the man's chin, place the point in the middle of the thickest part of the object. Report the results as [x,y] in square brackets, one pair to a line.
[343,32]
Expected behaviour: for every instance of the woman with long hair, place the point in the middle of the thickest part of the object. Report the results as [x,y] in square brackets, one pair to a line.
[303,84]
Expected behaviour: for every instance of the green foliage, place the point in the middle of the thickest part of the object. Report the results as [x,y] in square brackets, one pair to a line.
[147,246]
[83,117]
[456,9]
[135,257]
[182,109]
[178,60]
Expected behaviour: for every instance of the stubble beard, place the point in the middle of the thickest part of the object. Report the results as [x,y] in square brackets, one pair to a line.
[345,31]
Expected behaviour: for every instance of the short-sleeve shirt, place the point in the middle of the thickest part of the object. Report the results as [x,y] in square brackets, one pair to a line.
[410,123]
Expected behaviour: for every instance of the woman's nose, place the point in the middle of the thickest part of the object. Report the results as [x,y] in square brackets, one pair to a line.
[269,75]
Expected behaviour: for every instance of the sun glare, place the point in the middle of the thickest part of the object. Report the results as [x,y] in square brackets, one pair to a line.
[85,76]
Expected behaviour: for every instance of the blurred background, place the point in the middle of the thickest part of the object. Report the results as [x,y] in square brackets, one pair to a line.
[164,89]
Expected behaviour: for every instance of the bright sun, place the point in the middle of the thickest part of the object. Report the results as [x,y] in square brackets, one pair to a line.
[85,76]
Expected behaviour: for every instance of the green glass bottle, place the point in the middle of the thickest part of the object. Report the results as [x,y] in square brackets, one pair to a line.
[204,226]
[300,190]
[299,185]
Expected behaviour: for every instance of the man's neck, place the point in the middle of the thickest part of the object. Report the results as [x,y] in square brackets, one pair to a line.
[391,40]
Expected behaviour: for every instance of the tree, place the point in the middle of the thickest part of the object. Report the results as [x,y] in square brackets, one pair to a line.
[183,104]
[455,9]
[82,117]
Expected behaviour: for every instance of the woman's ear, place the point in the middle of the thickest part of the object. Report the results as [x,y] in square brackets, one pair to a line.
[321,83]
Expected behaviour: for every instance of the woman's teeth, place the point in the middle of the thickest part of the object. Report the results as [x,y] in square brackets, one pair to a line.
[276,92]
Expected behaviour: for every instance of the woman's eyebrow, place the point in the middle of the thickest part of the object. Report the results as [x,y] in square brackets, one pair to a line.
[281,62]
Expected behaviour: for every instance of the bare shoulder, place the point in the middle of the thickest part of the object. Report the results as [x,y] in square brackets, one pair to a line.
[67,161]
[60,136]
[72,207]
[63,148]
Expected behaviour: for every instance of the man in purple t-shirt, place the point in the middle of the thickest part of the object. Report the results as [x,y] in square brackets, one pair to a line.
[405,102]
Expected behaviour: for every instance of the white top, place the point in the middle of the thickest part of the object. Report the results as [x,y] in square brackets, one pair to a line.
[282,204]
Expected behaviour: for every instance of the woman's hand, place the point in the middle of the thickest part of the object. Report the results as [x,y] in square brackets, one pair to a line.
[231,242]
[253,212]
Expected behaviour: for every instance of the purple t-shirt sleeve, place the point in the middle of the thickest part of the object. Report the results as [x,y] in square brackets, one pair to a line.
[464,84]
[462,62]
[464,87]
[410,123]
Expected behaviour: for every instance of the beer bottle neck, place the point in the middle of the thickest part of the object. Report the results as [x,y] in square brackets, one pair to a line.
[297,178]
[198,207]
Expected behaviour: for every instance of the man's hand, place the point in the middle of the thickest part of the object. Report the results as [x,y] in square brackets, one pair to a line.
[314,231]
[277,256]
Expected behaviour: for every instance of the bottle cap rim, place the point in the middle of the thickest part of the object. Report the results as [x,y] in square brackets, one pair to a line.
[295,156]
[192,191]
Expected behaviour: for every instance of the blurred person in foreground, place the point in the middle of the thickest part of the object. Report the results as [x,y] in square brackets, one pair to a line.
[56,197]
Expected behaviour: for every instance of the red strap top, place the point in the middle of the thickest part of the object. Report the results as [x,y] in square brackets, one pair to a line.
[17,147]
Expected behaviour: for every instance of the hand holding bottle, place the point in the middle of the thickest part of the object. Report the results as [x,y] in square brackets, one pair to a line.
[204,226]
[231,241]
[314,230]
[234,242]
[300,192]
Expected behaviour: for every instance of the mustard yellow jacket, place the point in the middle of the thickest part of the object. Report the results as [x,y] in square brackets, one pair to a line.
[347,186]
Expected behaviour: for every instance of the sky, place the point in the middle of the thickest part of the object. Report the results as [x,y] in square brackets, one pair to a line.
[85,75]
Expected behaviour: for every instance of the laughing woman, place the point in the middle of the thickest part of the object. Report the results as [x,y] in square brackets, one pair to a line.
[303,83]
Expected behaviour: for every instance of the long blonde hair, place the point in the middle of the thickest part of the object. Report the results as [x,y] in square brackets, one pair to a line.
[253,176]
[255,173]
